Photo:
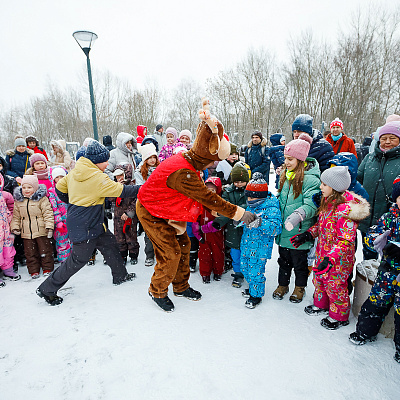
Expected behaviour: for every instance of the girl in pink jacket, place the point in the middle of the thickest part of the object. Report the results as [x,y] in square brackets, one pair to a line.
[338,217]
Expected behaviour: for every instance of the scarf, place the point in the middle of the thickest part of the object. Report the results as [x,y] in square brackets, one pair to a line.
[291,175]
[336,138]
[255,203]
[42,174]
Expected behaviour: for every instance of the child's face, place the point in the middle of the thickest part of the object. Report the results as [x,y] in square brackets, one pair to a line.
[184,139]
[32,145]
[39,166]
[212,188]
[398,202]
[120,178]
[170,138]
[21,149]
[291,163]
[57,178]
[151,161]
[240,184]
[27,190]
[325,189]
[233,157]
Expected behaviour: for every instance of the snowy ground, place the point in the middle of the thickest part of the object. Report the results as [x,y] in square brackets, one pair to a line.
[107,342]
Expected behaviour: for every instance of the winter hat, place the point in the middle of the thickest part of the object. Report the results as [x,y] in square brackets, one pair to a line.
[172,131]
[240,173]
[97,153]
[150,139]
[392,118]
[303,123]
[87,141]
[257,187]
[234,149]
[158,127]
[147,150]
[31,180]
[391,128]
[299,148]
[80,153]
[396,188]
[58,171]
[19,141]
[37,157]
[216,182]
[187,133]
[282,139]
[32,138]
[257,133]
[336,122]
[118,172]
[338,178]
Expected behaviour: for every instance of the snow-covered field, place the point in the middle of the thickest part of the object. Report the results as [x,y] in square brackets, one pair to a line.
[107,342]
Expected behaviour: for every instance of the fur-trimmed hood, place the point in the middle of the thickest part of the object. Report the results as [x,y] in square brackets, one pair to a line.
[12,152]
[263,143]
[41,192]
[356,207]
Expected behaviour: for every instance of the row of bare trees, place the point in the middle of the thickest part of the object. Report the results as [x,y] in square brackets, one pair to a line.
[357,79]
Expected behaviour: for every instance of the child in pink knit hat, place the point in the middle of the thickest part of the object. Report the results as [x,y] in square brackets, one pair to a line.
[299,181]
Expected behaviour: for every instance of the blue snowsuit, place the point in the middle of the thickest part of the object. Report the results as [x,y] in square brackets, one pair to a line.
[276,154]
[256,244]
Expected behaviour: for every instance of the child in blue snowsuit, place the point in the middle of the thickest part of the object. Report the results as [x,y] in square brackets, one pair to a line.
[385,292]
[258,237]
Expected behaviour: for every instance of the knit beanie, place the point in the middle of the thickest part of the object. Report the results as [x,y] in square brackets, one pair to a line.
[234,149]
[97,153]
[19,141]
[37,157]
[257,133]
[172,131]
[338,178]
[257,187]
[396,189]
[30,180]
[80,153]
[158,127]
[240,173]
[303,123]
[299,148]
[187,133]
[391,128]
[336,122]
[148,150]
[58,171]
[392,118]
[150,139]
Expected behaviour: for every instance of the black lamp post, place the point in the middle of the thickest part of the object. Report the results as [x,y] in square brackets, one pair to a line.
[84,40]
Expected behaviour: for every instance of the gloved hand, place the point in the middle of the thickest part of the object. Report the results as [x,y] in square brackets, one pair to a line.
[392,251]
[59,225]
[198,234]
[49,233]
[108,214]
[323,267]
[279,170]
[294,219]
[208,228]
[127,225]
[301,238]
[248,217]
[316,198]
[381,241]
[255,224]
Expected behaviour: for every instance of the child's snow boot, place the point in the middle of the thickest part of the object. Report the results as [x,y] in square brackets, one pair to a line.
[206,279]
[10,274]
[238,279]
[92,259]
[359,339]
[53,300]
[148,262]
[253,302]
[126,278]
[246,293]
[164,303]
[134,258]
[2,283]
[298,294]
[396,356]
[217,277]
[314,310]
[333,324]
[280,292]
[190,294]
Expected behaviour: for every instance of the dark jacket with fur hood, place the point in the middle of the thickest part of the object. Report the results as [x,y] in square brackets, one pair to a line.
[257,157]
[32,216]
[17,162]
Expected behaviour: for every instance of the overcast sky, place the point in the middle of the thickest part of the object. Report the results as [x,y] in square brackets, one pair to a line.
[150,40]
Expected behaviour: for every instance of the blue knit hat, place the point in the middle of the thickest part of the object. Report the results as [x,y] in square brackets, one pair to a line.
[97,153]
[80,153]
[303,123]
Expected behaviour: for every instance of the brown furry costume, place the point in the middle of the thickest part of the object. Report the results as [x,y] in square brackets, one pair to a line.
[170,240]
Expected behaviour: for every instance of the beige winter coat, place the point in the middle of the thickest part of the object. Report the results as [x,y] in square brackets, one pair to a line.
[32,216]
[60,155]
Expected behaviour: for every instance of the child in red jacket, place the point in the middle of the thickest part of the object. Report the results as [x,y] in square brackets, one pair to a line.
[211,247]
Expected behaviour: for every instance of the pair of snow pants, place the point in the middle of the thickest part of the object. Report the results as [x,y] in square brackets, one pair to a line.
[235,254]
[80,255]
[292,259]
[253,270]
[39,254]
[212,254]
[172,254]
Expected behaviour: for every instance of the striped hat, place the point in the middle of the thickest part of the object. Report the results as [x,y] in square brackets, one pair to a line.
[396,188]
[257,187]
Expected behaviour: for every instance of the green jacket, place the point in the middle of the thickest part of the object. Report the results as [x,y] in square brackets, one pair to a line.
[369,176]
[232,235]
[288,204]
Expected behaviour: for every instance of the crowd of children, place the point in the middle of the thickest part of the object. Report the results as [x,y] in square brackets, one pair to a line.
[311,210]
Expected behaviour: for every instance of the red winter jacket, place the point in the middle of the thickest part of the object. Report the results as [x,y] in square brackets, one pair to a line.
[344,144]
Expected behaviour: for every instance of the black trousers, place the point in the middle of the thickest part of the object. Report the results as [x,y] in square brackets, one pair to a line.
[292,259]
[80,255]
[194,251]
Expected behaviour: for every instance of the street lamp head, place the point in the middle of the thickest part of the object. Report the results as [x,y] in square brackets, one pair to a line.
[84,40]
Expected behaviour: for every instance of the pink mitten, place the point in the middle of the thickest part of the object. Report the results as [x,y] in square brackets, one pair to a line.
[197,232]
[208,228]
[63,228]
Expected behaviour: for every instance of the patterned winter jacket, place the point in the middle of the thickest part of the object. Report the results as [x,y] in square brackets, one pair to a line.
[389,221]
[167,150]
[258,242]
[337,231]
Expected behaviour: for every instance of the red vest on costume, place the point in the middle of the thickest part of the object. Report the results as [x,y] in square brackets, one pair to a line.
[164,202]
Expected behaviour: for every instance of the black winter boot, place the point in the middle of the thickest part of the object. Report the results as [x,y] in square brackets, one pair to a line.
[238,279]
[126,278]
[331,324]
[190,294]
[53,300]
[314,310]
[359,339]
[396,356]
[164,303]
[253,302]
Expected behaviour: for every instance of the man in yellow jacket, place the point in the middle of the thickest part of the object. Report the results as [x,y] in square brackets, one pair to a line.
[84,189]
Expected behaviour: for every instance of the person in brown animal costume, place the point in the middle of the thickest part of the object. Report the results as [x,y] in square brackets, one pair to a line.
[173,195]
